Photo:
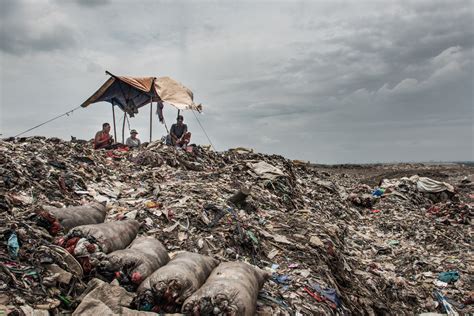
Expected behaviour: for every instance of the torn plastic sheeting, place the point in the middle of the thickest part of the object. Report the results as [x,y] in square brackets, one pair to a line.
[231,289]
[168,287]
[111,236]
[265,170]
[74,216]
[139,260]
[427,185]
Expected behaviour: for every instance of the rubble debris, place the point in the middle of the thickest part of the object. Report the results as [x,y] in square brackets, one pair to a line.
[299,218]
[231,289]
[452,212]
[169,286]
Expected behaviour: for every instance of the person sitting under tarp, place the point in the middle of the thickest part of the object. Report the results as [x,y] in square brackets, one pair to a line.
[103,139]
[133,141]
[179,135]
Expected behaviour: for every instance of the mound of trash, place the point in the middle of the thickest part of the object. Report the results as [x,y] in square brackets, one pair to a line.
[237,233]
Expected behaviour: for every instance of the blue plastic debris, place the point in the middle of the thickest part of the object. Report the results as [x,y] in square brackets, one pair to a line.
[13,246]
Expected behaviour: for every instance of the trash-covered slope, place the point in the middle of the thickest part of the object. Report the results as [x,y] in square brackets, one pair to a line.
[331,245]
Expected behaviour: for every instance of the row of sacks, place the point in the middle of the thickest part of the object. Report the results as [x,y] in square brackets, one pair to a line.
[188,282]
[195,284]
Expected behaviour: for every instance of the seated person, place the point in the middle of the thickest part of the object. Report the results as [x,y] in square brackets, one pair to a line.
[102,138]
[133,141]
[180,137]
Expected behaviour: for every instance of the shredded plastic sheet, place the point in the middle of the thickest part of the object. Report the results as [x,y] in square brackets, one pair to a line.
[231,289]
[423,184]
[265,170]
[168,287]
[135,263]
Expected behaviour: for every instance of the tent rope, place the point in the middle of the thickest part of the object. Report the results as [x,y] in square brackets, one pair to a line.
[48,121]
[192,110]
[166,126]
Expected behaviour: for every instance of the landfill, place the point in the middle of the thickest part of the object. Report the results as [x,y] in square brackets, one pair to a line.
[384,239]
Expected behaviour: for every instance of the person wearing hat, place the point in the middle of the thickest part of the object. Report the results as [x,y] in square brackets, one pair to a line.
[133,141]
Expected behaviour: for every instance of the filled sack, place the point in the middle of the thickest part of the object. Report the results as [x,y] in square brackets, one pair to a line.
[169,286]
[231,289]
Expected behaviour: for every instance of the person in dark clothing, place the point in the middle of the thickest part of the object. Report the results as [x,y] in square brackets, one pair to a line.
[180,137]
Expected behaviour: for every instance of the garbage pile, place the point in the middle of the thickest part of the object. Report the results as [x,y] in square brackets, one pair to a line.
[320,240]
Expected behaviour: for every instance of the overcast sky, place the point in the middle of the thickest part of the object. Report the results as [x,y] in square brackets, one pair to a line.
[330,82]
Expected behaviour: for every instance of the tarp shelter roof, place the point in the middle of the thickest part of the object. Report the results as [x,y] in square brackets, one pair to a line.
[131,93]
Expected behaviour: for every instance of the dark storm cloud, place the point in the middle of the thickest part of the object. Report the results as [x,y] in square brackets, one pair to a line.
[333,81]
[27,27]
[92,3]
[8,7]
[18,40]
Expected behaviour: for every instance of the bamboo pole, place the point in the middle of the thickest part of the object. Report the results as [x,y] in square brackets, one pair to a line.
[151,117]
[113,114]
[123,127]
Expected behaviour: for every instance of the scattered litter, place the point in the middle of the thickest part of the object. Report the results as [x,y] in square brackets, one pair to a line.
[315,224]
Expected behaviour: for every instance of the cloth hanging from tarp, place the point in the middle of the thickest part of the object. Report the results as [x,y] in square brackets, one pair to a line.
[174,93]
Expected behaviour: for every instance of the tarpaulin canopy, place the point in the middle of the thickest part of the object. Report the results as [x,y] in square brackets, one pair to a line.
[131,93]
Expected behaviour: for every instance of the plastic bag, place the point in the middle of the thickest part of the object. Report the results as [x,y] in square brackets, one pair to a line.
[13,246]
[231,289]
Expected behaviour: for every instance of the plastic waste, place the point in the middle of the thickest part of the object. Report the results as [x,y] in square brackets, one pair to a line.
[378,192]
[13,246]
[449,276]
[446,305]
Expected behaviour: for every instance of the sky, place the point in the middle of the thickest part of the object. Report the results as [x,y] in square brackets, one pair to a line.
[324,81]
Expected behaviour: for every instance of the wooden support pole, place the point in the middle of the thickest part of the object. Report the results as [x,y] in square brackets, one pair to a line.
[123,127]
[151,117]
[113,114]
